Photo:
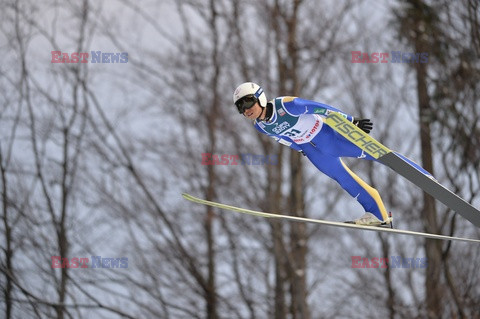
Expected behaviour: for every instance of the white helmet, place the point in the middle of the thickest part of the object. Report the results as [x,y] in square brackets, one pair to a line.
[252,90]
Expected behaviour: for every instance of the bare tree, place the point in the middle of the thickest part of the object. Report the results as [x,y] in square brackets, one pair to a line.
[433,28]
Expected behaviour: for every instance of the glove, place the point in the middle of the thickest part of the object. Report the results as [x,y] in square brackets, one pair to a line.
[364,124]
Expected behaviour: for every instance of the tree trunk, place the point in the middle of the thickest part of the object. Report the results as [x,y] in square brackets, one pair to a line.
[433,251]
[7,290]
[298,241]
[210,289]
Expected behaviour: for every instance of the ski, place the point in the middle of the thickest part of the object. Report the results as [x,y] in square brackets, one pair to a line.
[387,157]
[323,222]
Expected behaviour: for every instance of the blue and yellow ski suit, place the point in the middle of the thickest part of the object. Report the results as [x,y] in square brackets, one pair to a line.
[298,123]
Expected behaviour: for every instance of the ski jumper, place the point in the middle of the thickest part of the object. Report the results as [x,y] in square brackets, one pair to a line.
[298,123]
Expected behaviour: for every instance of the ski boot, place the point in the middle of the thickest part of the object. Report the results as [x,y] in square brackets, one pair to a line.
[368,219]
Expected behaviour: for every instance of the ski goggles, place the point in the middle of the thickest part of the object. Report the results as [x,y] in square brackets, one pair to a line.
[245,103]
